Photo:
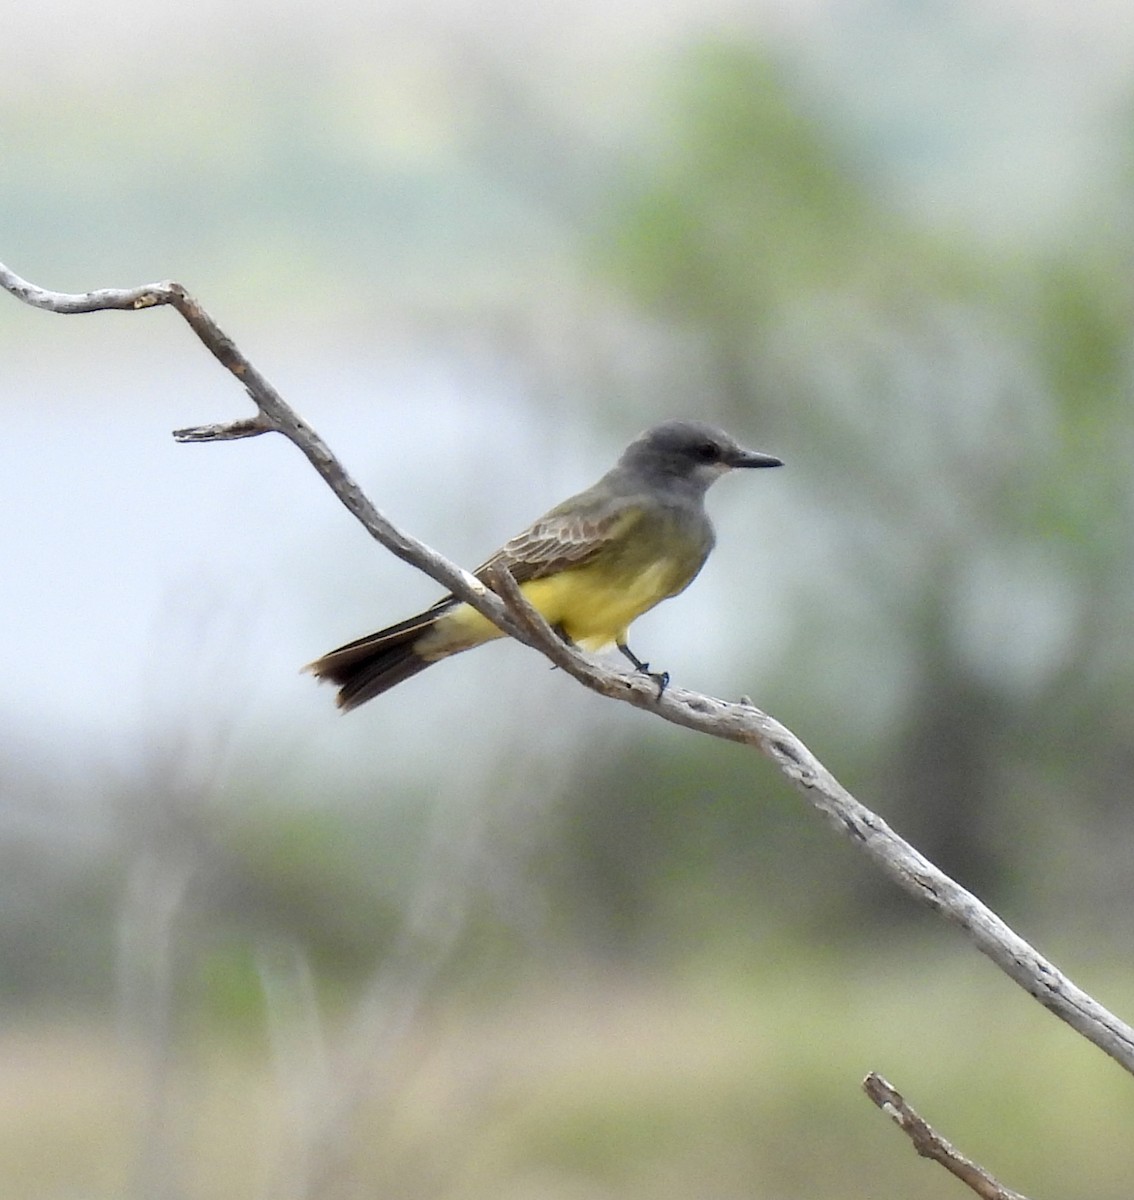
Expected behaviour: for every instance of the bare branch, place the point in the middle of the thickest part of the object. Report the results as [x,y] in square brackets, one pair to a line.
[273,415]
[930,1144]
[737,722]
[227,432]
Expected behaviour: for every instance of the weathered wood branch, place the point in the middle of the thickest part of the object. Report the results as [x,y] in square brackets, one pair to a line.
[737,722]
[930,1144]
[273,415]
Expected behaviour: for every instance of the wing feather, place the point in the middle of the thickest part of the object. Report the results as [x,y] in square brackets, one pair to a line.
[563,539]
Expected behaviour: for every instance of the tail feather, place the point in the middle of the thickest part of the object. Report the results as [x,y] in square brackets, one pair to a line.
[373,664]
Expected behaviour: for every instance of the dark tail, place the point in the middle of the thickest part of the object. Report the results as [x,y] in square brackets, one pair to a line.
[373,664]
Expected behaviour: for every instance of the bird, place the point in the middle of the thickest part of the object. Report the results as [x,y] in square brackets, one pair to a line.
[590,566]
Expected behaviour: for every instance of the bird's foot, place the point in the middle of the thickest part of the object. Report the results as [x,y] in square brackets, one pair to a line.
[661,678]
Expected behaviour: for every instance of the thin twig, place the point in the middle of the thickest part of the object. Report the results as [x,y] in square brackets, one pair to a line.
[737,722]
[930,1144]
[273,415]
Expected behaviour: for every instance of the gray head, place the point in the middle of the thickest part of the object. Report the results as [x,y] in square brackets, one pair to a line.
[692,452]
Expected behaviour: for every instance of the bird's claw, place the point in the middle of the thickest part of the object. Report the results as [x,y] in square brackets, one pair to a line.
[661,678]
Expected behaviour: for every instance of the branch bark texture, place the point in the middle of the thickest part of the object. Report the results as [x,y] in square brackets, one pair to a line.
[930,1144]
[733,721]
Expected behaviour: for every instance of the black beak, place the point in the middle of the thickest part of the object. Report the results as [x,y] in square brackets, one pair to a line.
[753,458]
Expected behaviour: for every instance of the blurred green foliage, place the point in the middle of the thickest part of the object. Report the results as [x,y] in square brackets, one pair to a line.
[746,199]
[718,1083]
[954,412]
[956,415]
[971,408]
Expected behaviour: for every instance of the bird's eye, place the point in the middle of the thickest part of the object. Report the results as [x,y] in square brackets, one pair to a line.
[708,452]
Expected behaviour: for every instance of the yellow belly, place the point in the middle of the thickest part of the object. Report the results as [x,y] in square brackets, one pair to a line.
[591,608]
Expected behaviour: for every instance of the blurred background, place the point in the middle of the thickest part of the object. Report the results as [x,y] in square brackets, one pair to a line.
[491,936]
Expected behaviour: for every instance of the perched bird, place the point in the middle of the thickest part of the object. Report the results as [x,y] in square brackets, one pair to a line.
[590,566]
